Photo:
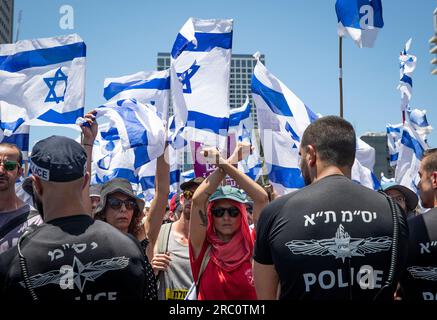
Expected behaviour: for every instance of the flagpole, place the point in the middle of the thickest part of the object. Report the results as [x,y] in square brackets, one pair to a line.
[340,74]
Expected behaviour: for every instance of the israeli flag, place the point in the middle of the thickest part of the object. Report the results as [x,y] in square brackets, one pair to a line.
[138,125]
[200,69]
[407,64]
[20,138]
[187,175]
[241,126]
[43,81]
[417,119]
[146,174]
[411,150]
[282,119]
[393,139]
[110,160]
[359,19]
[151,88]
[365,154]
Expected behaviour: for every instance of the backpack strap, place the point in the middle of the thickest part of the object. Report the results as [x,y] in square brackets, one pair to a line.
[205,261]
[163,237]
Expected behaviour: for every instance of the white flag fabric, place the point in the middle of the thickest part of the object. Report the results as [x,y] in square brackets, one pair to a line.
[359,19]
[411,150]
[362,169]
[200,69]
[393,140]
[241,126]
[282,119]
[146,87]
[407,64]
[43,81]
[419,122]
[138,125]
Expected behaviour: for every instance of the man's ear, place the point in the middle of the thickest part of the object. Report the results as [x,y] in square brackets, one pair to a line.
[37,186]
[311,155]
[86,180]
[434,179]
[181,198]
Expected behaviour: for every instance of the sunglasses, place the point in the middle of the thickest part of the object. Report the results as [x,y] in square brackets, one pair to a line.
[188,194]
[219,212]
[10,165]
[115,203]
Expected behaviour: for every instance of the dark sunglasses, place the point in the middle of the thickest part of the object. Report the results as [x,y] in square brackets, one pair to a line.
[10,165]
[219,212]
[115,203]
[188,194]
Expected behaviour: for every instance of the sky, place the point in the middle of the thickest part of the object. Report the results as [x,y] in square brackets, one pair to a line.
[299,39]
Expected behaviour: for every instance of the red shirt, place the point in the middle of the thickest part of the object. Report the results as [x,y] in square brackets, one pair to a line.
[217,284]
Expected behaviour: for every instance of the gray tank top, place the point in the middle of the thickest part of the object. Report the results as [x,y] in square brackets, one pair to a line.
[174,283]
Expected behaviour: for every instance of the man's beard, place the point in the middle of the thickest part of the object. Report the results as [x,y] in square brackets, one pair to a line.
[38,205]
[305,173]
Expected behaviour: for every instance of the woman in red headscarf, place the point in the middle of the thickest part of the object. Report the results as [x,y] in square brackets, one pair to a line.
[219,231]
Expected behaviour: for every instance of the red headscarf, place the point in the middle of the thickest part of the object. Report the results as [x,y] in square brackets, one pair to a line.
[230,255]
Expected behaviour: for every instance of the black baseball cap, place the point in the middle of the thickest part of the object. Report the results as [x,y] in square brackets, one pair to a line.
[58,159]
[195,182]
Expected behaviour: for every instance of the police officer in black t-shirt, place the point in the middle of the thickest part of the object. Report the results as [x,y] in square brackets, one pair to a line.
[419,281]
[70,256]
[334,238]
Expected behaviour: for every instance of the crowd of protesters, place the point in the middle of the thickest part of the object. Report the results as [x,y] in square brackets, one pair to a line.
[332,240]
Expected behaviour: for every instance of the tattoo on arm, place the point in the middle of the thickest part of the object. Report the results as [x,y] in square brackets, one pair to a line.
[203,218]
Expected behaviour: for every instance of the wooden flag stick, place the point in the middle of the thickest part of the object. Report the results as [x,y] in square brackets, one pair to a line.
[340,74]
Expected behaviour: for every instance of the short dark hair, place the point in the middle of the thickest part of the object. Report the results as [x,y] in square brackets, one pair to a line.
[14,146]
[430,160]
[334,140]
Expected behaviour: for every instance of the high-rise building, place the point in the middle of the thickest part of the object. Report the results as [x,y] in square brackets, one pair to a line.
[242,66]
[433,43]
[382,161]
[6,20]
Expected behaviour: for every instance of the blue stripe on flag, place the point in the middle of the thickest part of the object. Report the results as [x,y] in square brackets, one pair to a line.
[136,131]
[288,177]
[42,57]
[236,118]
[141,156]
[311,115]
[119,173]
[412,143]
[348,12]
[253,172]
[115,87]
[175,176]
[21,140]
[205,43]
[61,118]
[407,79]
[392,129]
[12,126]
[147,182]
[206,122]
[275,100]
[394,157]
[376,183]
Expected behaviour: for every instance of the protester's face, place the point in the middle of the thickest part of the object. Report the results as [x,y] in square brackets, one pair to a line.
[119,215]
[398,197]
[304,168]
[185,199]
[94,202]
[426,190]
[10,169]
[226,225]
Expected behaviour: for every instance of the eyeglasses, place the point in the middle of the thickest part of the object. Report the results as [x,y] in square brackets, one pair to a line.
[115,203]
[219,212]
[9,165]
[188,194]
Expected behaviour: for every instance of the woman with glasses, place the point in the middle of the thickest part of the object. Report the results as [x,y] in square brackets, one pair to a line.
[219,232]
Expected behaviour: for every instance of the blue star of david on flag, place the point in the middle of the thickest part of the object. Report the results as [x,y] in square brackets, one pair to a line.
[293,135]
[52,83]
[184,77]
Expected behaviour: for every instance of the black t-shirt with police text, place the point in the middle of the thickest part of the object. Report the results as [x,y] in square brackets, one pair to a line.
[419,281]
[329,240]
[75,258]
